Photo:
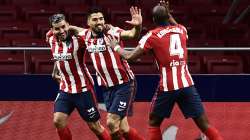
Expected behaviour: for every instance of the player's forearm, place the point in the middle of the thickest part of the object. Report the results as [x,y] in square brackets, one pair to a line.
[171,19]
[123,53]
[133,33]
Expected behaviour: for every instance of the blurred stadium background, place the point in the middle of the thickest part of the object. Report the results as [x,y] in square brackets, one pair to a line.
[222,76]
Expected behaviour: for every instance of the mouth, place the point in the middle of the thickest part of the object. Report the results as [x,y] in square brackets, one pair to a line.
[99,27]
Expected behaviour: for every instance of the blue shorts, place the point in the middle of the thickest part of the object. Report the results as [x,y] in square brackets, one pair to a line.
[84,103]
[187,99]
[118,99]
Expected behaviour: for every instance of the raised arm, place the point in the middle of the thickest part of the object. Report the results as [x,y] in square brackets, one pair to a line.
[166,5]
[136,22]
[128,55]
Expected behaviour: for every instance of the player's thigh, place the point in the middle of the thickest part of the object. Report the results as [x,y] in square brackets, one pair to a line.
[107,97]
[63,103]
[87,106]
[190,103]
[162,104]
[122,97]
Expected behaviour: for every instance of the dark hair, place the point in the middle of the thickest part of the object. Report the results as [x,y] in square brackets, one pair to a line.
[56,18]
[95,9]
[160,15]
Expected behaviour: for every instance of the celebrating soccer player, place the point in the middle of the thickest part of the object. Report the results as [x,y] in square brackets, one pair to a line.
[76,84]
[168,44]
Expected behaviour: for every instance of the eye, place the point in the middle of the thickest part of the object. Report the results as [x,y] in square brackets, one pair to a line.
[63,26]
[94,19]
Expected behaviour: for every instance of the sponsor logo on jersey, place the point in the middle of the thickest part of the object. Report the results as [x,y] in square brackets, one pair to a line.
[62,56]
[96,48]
[176,63]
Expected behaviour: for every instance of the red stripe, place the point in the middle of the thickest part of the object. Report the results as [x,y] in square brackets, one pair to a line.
[62,67]
[98,64]
[109,66]
[73,69]
[122,67]
[187,76]
[179,79]
[169,74]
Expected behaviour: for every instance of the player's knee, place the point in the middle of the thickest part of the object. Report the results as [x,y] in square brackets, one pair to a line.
[59,122]
[124,126]
[112,124]
[96,127]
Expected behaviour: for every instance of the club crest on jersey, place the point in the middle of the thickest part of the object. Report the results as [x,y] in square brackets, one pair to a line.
[62,56]
[96,48]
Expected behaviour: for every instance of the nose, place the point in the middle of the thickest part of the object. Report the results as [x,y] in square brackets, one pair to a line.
[61,30]
[99,21]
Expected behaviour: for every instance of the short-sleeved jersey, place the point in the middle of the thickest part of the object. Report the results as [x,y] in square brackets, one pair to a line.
[111,69]
[168,44]
[68,56]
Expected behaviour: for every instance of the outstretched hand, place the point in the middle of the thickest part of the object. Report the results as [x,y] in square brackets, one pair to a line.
[136,16]
[165,4]
[111,42]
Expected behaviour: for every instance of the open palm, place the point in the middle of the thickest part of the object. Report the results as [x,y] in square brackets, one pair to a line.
[136,16]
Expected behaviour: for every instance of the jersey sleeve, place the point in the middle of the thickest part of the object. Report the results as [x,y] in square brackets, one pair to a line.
[81,37]
[184,29]
[146,42]
[115,32]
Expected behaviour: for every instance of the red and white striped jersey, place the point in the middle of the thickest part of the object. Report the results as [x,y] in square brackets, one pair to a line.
[168,44]
[68,56]
[111,69]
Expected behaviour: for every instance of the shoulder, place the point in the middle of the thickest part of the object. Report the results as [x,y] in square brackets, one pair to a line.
[146,38]
[83,33]
[114,30]
[52,40]
[182,27]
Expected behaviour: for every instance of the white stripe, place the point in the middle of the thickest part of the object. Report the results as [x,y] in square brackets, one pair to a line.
[175,80]
[51,42]
[88,73]
[99,80]
[183,77]
[66,89]
[78,67]
[116,69]
[187,71]
[105,70]
[67,67]
[97,70]
[57,96]
[164,79]
[144,39]
[131,74]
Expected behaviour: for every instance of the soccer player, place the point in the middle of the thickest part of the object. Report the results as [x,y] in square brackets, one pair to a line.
[76,84]
[168,44]
[113,73]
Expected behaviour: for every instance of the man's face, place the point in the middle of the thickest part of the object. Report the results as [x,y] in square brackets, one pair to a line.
[61,30]
[96,22]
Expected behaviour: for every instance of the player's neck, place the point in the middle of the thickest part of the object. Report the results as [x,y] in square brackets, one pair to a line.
[94,34]
[164,24]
